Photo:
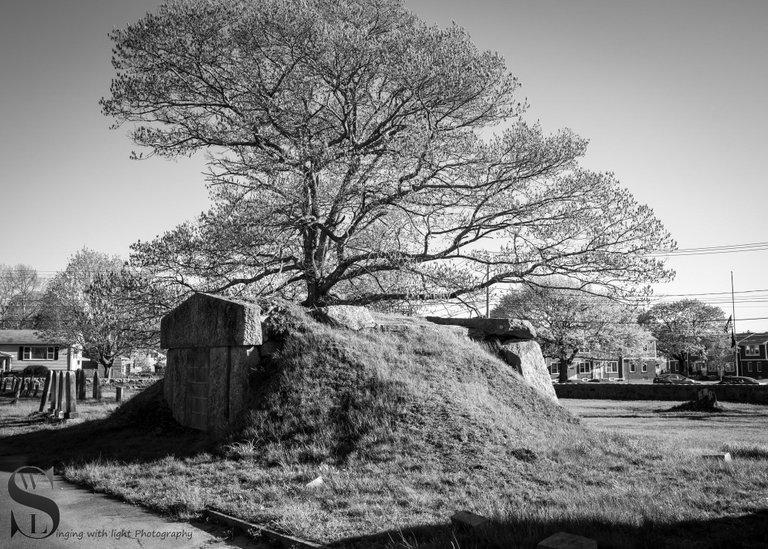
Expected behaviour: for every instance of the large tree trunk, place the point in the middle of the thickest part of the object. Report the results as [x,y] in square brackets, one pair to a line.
[107,368]
[563,365]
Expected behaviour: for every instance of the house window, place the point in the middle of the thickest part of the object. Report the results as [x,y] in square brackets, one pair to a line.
[749,366]
[39,353]
[752,350]
[584,367]
[612,367]
[554,368]
[760,367]
[632,367]
[673,365]
[644,367]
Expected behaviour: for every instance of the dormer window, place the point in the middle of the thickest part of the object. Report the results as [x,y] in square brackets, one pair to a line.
[752,350]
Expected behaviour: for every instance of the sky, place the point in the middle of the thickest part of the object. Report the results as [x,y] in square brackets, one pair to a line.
[671,95]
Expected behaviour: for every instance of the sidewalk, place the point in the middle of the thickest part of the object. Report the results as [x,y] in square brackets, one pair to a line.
[89,520]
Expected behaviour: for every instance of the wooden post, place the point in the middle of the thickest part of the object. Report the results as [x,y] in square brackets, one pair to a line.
[46,391]
[96,386]
[71,400]
[118,394]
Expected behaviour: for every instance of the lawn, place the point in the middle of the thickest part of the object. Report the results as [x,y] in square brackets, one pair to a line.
[407,428]
[738,424]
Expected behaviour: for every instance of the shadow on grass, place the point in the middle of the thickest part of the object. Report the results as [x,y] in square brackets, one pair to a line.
[746,531]
[140,430]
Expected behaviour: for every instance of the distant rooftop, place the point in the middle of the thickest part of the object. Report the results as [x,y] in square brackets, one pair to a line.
[752,339]
[21,337]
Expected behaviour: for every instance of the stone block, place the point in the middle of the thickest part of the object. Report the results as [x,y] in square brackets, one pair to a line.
[242,360]
[347,316]
[206,320]
[501,328]
[526,358]
[465,519]
[217,387]
[564,540]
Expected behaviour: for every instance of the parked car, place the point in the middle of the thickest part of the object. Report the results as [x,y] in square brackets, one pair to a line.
[674,379]
[738,380]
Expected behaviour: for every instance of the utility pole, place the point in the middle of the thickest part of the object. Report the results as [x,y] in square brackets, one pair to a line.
[733,330]
[487,292]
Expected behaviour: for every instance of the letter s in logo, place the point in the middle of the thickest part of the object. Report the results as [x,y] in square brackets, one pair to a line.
[26,496]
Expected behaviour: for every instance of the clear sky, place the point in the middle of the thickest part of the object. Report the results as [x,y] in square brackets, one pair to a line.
[671,95]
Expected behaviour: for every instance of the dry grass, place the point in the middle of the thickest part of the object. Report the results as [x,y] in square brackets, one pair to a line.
[405,429]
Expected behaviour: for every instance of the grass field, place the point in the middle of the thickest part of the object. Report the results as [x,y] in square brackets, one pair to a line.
[621,490]
[738,424]
[406,429]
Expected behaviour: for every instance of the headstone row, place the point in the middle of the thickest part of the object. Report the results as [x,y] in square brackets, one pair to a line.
[59,390]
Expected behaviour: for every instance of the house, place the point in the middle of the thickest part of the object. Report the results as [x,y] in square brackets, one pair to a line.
[699,367]
[22,348]
[611,365]
[753,354]
[136,362]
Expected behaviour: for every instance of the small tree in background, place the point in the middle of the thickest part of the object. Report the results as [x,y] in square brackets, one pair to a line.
[94,303]
[685,329]
[21,290]
[569,321]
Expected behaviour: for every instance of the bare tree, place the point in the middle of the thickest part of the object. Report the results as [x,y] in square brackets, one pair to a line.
[357,155]
[20,293]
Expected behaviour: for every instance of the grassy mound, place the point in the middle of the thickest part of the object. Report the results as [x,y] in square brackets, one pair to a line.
[341,397]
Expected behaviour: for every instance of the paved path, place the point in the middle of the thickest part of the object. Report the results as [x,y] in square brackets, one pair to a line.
[89,520]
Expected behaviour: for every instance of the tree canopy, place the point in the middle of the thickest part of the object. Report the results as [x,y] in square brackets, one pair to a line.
[570,321]
[687,329]
[93,303]
[20,292]
[357,155]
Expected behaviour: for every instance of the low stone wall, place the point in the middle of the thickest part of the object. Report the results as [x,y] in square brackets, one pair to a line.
[755,394]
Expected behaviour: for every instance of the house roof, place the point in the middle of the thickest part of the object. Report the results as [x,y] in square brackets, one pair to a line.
[752,339]
[21,337]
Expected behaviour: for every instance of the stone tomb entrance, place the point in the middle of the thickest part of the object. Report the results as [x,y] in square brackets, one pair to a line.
[212,343]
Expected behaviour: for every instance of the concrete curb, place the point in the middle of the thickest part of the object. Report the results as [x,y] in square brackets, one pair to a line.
[289,542]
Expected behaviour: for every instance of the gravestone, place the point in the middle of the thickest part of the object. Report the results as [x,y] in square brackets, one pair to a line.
[46,391]
[96,386]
